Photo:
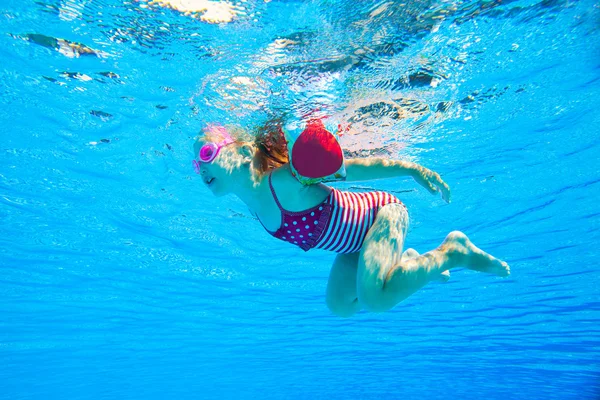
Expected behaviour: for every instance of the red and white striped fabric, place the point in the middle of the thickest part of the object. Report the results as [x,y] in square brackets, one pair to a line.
[340,223]
[352,215]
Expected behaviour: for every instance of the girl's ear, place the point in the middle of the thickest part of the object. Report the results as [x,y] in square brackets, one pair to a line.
[247,152]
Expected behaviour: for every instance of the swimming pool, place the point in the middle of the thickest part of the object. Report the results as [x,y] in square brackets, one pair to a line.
[122,277]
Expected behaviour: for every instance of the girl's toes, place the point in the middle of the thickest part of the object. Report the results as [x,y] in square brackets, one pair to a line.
[503,270]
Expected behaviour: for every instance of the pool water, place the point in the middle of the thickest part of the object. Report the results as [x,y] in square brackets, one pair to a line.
[122,277]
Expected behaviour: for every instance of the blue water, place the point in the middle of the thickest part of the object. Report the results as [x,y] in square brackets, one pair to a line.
[123,278]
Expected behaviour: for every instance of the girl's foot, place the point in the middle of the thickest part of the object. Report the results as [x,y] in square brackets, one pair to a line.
[458,245]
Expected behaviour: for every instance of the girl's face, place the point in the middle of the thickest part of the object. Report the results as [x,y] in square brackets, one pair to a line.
[217,172]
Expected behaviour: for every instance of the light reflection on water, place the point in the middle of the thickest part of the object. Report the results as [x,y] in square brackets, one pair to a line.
[366,63]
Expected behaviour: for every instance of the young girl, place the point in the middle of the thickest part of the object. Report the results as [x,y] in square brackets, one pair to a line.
[367,230]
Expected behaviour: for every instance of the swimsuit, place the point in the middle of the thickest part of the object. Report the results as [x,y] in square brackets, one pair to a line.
[340,223]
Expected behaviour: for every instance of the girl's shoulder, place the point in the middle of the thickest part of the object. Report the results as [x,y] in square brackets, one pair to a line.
[283,180]
[283,177]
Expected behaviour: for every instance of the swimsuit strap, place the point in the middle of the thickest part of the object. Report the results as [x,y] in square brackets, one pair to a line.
[273,192]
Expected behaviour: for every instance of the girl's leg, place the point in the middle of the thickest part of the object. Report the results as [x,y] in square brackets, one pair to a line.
[412,253]
[341,288]
[342,299]
[384,278]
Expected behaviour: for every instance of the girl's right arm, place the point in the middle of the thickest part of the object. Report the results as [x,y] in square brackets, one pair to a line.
[361,169]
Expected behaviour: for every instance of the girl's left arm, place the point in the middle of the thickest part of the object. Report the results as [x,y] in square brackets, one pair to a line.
[363,169]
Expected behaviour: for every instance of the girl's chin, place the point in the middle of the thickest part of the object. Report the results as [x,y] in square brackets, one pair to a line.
[217,191]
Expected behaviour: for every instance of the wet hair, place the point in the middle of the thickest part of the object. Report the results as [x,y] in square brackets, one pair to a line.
[268,141]
[271,147]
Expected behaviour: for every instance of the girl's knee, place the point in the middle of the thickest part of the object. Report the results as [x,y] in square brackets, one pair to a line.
[341,309]
[373,299]
[377,293]
[375,305]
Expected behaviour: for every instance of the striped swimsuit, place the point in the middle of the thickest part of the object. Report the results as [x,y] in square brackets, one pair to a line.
[340,223]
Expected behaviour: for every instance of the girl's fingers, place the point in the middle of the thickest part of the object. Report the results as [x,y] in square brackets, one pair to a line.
[434,184]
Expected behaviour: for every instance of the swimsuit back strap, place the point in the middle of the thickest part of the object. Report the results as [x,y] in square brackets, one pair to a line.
[273,192]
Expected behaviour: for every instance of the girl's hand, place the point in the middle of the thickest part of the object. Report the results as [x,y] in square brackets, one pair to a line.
[432,182]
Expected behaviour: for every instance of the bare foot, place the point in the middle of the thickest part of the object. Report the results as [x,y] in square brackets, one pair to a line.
[458,245]
[412,253]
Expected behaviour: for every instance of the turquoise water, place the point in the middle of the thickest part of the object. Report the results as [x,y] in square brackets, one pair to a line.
[123,278]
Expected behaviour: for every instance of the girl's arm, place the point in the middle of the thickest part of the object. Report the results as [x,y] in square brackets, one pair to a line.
[363,169]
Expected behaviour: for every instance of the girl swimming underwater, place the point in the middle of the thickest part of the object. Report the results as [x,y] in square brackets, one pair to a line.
[367,230]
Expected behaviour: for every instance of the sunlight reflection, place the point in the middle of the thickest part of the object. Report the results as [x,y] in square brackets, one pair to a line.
[213,12]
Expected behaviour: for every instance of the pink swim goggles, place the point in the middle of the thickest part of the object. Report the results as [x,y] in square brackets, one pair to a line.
[210,150]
